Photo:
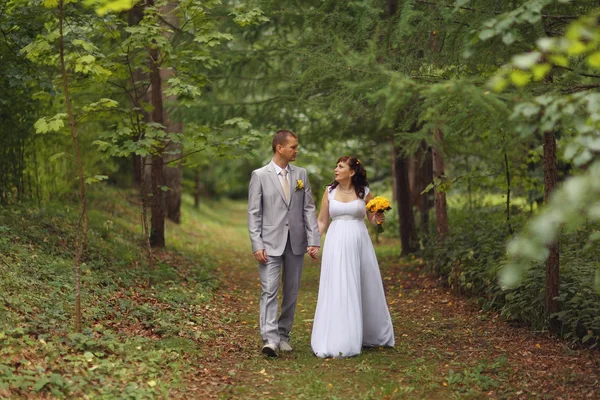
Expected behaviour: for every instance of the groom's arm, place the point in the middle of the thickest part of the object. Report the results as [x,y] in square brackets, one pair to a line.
[255,212]
[310,216]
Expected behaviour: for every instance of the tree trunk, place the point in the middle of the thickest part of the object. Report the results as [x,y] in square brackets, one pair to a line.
[553,262]
[420,174]
[173,170]
[408,232]
[197,188]
[441,209]
[157,220]
[135,15]
[174,180]
[507,172]
[82,240]
[144,216]
[394,183]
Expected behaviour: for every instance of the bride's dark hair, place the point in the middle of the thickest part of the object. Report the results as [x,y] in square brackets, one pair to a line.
[359,179]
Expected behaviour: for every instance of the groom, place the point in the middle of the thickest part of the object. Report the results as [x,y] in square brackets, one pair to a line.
[283,226]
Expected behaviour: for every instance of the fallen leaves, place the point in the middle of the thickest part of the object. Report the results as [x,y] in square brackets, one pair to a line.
[434,321]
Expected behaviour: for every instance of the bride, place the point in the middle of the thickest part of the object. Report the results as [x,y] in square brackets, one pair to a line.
[351,307]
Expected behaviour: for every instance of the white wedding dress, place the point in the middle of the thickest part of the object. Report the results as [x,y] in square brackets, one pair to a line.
[351,308]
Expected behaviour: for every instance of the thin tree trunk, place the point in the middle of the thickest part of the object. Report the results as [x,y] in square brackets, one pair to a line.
[197,188]
[441,208]
[20,172]
[394,183]
[135,15]
[507,170]
[144,197]
[81,242]
[174,180]
[157,221]
[553,262]
[408,232]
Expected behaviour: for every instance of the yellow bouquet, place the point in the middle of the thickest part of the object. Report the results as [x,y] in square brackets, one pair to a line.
[379,204]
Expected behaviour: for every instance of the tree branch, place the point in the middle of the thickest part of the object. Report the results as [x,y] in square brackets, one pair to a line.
[579,73]
[431,3]
[581,88]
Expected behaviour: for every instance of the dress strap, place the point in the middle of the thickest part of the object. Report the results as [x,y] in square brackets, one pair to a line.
[330,194]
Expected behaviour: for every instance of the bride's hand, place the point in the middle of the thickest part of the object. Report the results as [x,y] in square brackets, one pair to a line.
[378,218]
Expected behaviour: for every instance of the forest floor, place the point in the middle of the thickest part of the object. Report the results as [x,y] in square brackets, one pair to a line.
[189,328]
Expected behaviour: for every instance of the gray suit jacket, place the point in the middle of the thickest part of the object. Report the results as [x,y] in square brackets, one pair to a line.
[270,217]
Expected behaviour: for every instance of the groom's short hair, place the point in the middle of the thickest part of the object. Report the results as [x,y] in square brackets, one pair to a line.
[280,137]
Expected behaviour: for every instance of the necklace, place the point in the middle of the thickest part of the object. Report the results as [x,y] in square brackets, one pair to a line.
[347,192]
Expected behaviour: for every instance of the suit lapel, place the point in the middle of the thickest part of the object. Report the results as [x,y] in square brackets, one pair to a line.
[275,180]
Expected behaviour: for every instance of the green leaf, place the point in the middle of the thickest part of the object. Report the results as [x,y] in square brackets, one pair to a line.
[44,125]
[239,122]
[511,275]
[95,179]
[50,3]
[546,44]
[39,385]
[487,34]
[540,71]
[559,60]
[244,17]
[498,84]
[57,156]
[509,38]
[41,126]
[520,78]
[527,60]
[597,280]
[594,60]
[576,47]
[106,6]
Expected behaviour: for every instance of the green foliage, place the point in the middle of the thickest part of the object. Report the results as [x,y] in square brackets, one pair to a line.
[19,108]
[573,111]
[471,258]
[54,124]
[126,306]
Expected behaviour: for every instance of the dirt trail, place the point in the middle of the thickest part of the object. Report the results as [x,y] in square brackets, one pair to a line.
[445,348]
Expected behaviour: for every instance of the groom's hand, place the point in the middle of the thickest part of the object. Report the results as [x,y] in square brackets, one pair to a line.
[313,251]
[261,256]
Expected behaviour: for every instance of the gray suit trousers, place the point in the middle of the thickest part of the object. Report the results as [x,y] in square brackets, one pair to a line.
[288,266]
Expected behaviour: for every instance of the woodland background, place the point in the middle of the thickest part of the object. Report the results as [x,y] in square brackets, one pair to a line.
[478,118]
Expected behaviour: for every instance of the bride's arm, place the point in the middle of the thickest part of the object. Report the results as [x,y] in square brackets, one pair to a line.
[323,219]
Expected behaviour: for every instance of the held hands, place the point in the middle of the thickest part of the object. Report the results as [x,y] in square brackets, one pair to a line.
[261,255]
[313,252]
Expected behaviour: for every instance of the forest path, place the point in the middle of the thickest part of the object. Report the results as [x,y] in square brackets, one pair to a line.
[445,347]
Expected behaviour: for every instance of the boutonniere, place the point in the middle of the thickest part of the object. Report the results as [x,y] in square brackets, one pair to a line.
[299,185]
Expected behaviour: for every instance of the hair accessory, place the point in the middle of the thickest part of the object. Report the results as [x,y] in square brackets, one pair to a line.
[357,161]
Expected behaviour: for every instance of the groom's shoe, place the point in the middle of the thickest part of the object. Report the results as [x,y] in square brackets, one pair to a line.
[285,346]
[270,350]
